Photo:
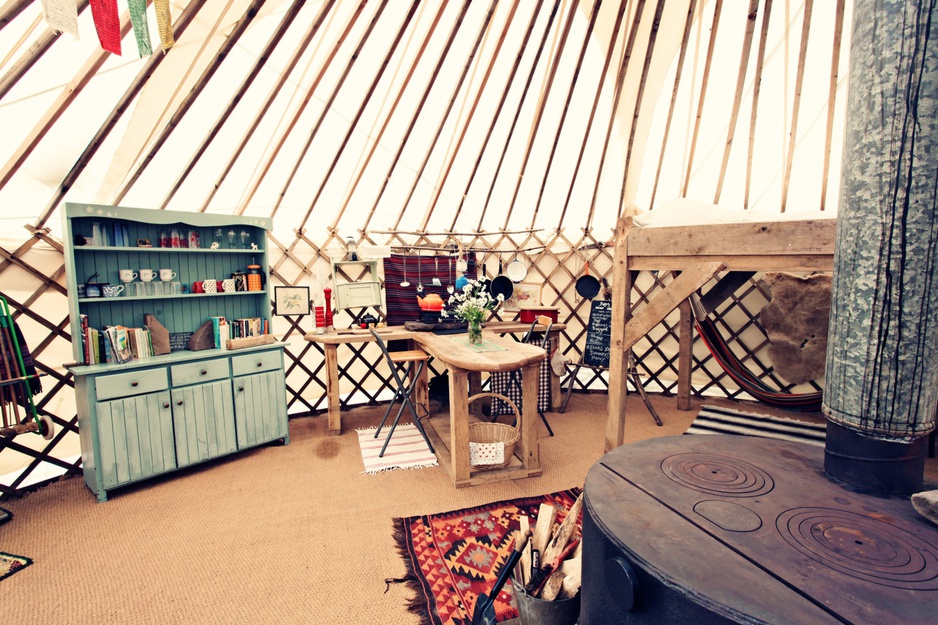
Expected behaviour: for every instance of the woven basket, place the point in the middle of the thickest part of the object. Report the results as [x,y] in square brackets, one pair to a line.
[494,433]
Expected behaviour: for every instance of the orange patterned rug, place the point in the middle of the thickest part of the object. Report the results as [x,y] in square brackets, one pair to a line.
[453,557]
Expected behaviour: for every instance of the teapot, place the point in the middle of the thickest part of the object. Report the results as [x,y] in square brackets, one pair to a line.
[431,302]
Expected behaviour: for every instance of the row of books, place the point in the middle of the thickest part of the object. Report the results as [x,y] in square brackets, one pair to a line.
[114,344]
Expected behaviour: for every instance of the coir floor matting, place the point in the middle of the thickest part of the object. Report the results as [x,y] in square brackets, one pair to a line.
[453,557]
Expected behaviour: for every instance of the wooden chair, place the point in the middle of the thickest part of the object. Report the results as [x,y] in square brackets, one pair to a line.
[414,360]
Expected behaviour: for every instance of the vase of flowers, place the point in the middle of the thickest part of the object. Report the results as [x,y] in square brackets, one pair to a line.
[470,305]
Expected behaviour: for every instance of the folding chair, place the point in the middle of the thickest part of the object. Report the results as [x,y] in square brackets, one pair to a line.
[415,360]
[514,377]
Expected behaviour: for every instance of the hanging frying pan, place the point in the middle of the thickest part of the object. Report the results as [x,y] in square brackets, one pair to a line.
[501,284]
[587,286]
[516,270]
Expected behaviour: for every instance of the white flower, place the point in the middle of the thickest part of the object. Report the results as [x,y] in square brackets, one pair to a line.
[472,301]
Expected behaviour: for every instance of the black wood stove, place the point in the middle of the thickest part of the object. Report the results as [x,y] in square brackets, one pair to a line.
[728,529]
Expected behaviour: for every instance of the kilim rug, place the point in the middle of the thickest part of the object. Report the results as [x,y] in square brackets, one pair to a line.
[10,564]
[407,449]
[713,420]
[453,557]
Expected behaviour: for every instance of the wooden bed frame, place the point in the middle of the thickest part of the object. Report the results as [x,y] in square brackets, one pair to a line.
[699,253]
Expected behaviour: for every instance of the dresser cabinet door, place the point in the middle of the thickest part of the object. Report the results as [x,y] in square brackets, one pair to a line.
[260,407]
[204,421]
[135,436]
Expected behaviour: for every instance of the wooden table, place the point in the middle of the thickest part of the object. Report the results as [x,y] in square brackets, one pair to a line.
[465,365]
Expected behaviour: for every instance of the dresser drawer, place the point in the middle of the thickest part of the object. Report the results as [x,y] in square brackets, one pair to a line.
[132,383]
[255,363]
[202,371]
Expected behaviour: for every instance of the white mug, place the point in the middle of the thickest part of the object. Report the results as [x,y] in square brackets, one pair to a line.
[210,286]
[167,275]
[228,285]
[127,275]
[147,274]
[112,290]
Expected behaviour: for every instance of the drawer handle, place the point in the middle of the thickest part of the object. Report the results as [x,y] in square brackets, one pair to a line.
[135,383]
[179,403]
[260,364]
[166,405]
[240,389]
[204,372]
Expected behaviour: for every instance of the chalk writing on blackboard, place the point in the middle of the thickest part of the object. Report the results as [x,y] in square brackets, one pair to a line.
[179,341]
[596,352]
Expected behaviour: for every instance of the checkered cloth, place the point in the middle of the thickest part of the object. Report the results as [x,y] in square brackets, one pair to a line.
[508,383]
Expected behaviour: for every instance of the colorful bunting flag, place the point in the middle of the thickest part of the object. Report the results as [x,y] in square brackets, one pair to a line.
[164,22]
[107,23]
[138,17]
[61,15]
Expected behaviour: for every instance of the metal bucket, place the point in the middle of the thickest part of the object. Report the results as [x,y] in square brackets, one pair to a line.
[534,611]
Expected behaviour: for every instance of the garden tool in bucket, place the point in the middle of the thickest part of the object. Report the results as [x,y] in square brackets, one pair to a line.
[484,613]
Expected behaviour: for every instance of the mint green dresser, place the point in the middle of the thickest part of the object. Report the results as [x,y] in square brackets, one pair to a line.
[153,415]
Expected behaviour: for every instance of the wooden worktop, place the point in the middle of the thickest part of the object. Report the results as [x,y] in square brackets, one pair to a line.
[394,333]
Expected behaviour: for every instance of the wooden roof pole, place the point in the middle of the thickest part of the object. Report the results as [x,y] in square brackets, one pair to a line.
[682,55]
[32,55]
[353,185]
[182,22]
[832,97]
[423,100]
[514,121]
[10,10]
[285,132]
[361,109]
[311,32]
[480,35]
[55,110]
[259,64]
[607,60]
[501,103]
[326,109]
[737,98]
[756,90]
[539,109]
[717,10]
[444,175]
[649,53]
[613,112]
[566,108]
[189,100]
[796,107]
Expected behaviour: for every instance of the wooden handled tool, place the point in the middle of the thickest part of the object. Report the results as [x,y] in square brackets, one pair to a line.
[484,613]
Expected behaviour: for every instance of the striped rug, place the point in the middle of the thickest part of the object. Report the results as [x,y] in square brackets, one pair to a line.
[714,420]
[407,449]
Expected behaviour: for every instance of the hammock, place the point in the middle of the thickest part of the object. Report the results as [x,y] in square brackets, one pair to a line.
[738,372]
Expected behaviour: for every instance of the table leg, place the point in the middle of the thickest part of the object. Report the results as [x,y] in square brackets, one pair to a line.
[529,449]
[459,424]
[332,389]
[421,395]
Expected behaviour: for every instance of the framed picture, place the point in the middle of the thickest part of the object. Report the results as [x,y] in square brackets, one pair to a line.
[291,300]
[524,294]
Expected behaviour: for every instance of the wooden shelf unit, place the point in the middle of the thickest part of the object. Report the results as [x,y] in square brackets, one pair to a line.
[155,415]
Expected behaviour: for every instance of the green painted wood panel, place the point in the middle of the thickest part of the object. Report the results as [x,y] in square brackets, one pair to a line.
[134,436]
[260,408]
[203,416]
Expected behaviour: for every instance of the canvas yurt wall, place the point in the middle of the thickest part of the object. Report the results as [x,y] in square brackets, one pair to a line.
[514,129]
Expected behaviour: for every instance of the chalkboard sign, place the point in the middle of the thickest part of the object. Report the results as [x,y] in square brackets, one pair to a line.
[596,352]
[179,341]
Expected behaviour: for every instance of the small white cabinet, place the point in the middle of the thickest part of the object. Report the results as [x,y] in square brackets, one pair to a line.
[360,293]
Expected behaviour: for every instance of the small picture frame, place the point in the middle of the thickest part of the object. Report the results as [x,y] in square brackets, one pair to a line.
[524,294]
[291,300]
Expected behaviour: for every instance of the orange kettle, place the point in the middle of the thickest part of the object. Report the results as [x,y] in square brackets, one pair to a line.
[431,303]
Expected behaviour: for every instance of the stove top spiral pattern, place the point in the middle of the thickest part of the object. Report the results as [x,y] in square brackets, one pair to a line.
[861,546]
[717,475]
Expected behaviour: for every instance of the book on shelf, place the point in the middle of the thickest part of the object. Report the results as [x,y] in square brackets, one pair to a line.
[221,332]
[249,326]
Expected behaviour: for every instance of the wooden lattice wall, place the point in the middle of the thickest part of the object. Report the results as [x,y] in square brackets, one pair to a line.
[554,260]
